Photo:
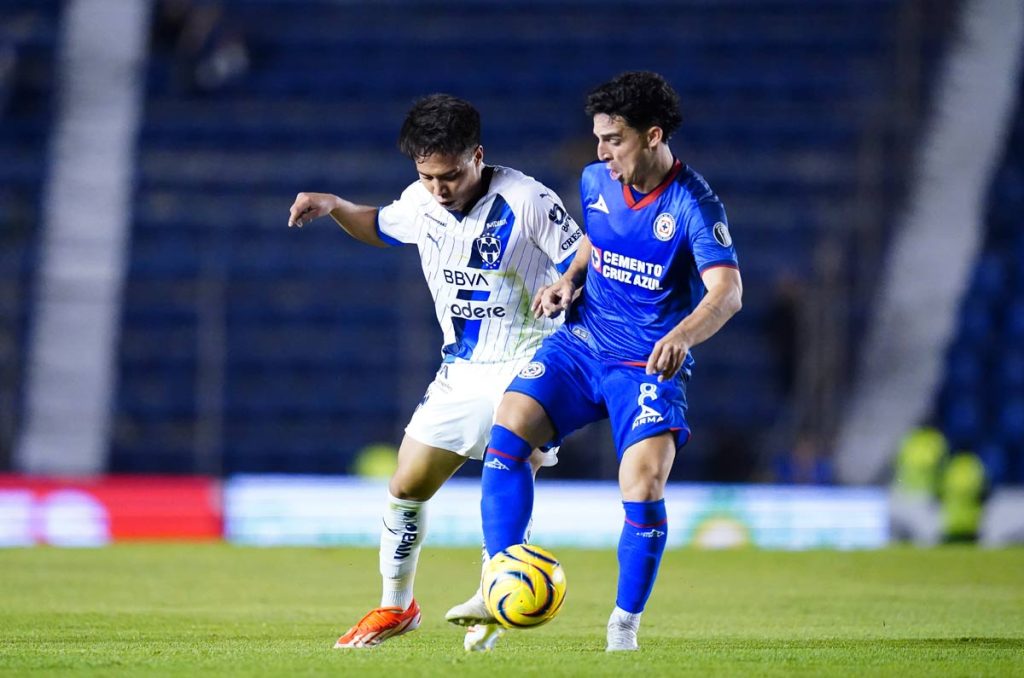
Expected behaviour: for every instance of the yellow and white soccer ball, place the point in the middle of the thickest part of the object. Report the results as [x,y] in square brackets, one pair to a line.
[523,586]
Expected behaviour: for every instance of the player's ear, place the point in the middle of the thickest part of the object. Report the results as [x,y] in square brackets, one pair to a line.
[478,154]
[654,136]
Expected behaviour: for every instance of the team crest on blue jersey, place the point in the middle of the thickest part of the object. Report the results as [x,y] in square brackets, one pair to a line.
[532,370]
[595,258]
[722,235]
[489,247]
[664,226]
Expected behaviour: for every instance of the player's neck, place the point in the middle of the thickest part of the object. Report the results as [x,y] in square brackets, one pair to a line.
[661,165]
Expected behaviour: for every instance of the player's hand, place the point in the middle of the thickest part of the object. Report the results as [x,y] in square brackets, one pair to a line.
[668,355]
[310,206]
[551,300]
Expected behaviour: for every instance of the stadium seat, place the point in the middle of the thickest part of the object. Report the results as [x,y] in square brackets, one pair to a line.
[964,420]
[994,457]
[992,322]
[28,35]
[1011,420]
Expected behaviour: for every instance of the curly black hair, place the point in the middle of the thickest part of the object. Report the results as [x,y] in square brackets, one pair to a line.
[642,98]
[439,123]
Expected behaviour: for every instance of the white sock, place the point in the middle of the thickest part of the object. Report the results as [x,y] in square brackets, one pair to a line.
[405,525]
[620,616]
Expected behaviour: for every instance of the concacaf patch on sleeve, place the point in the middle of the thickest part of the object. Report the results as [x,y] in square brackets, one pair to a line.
[722,236]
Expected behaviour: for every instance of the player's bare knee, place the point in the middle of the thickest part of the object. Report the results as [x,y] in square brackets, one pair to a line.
[406,492]
[524,416]
[511,413]
[404,486]
[649,488]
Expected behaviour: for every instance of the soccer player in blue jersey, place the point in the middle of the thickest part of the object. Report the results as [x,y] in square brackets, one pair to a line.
[656,275]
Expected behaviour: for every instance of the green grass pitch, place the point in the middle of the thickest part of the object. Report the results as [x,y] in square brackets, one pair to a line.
[219,610]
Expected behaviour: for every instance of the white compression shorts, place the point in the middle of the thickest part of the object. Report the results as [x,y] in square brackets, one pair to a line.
[458,410]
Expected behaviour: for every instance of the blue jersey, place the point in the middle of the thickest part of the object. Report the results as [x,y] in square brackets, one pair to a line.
[648,254]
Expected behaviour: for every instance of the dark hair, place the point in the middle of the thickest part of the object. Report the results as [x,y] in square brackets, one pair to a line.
[439,123]
[642,98]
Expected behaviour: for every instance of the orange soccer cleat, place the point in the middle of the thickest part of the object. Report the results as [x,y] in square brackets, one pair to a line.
[379,625]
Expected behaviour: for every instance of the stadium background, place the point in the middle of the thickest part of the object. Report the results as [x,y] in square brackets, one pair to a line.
[159,318]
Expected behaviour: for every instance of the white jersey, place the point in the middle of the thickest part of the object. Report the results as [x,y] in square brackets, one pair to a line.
[484,267]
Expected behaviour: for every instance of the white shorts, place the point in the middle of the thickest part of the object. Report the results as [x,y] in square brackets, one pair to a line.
[457,412]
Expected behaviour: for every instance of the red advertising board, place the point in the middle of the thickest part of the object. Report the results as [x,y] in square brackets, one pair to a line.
[95,511]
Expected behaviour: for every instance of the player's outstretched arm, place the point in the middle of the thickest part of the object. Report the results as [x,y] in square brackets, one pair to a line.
[552,299]
[723,300]
[359,221]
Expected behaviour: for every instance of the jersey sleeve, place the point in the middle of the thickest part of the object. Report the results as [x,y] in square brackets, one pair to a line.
[710,240]
[551,228]
[398,223]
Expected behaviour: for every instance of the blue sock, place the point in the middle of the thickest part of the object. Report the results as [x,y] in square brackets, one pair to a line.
[507,490]
[643,539]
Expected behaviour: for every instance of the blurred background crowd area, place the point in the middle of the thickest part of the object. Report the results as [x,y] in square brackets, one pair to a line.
[240,346]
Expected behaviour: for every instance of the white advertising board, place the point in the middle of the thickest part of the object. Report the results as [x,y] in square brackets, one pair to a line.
[309,510]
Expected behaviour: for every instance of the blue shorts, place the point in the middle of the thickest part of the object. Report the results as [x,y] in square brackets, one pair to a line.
[576,387]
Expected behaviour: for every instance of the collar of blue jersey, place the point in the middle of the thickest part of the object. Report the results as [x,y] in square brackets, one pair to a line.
[637,200]
[485,183]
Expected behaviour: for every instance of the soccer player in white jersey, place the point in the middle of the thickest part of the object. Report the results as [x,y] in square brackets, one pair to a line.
[488,238]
